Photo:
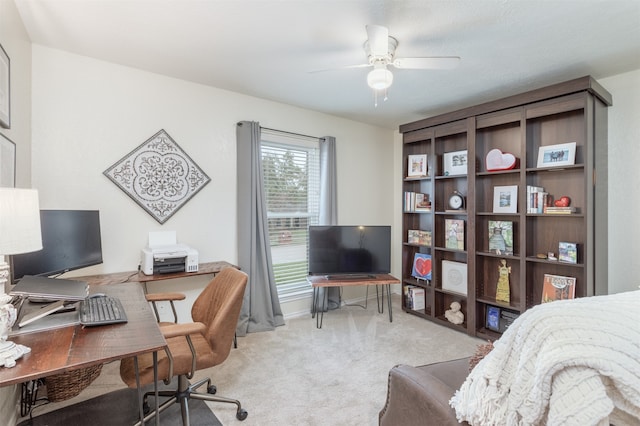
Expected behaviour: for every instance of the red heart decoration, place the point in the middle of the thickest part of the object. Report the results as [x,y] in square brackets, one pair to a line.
[423,266]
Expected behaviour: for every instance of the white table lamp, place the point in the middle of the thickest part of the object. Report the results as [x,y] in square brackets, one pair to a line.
[19,233]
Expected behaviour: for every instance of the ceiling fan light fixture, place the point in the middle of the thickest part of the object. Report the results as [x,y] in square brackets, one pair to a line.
[379,78]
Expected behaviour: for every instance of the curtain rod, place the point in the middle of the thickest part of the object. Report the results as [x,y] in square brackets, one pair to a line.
[292,133]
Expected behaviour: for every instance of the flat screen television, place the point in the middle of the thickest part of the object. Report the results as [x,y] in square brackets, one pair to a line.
[70,240]
[349,250]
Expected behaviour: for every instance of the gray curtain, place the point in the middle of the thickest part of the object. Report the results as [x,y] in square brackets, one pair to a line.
[328,182]
[261,307]
[328,209]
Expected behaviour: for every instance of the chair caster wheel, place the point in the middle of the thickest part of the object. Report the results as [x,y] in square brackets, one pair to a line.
[212,390]
[241,414]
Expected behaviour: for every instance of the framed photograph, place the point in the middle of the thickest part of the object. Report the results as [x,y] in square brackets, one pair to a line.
[454,277]
[567,252]
[455,163]
[5,90]
[7,162]
[505,199]
[493,318]
[557,155]
[417,165]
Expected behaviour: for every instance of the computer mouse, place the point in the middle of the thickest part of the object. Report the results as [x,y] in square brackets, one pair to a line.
[94,295]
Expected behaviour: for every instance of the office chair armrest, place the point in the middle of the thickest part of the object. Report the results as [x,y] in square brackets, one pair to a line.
[174,330]
[162,297]
[185,330]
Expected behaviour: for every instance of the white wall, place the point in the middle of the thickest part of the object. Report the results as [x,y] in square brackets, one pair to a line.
[16,43]
[87,114]
[624,181]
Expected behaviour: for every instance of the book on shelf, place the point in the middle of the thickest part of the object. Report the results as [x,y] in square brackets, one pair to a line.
[558,287]
[559,210]
[421,266]
[414,298]
[567,252]
[416,202]
[454,229]
[506,319]
[422,203]
[419,237]
[501,237]
[537,199]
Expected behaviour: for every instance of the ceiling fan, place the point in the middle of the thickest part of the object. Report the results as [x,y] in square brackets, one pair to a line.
[380,49]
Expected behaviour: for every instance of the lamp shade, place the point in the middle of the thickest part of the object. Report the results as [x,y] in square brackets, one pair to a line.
[19,221]
[379,78]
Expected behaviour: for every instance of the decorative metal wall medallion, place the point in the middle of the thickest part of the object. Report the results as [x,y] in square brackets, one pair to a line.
[159,176]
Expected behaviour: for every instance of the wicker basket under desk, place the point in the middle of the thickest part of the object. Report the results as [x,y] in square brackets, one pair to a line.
[63,386]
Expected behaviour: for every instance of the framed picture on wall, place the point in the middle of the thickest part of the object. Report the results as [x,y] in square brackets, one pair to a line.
[5,90]
[7,162]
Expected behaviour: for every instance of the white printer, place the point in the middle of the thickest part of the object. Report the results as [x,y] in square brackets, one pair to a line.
[164,255]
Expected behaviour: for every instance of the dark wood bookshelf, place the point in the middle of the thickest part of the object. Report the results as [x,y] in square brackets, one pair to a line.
[573,111]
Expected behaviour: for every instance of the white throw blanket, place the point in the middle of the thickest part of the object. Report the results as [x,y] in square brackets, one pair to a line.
[567,362]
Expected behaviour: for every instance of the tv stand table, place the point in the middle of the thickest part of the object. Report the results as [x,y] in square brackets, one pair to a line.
[318,281]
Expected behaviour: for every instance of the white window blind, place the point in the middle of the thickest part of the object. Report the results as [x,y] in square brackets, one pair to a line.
[291,167]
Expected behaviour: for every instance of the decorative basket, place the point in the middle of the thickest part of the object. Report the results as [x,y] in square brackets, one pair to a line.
[67,385]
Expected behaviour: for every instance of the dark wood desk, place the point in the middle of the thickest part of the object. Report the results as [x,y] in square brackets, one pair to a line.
[137,276]
[73,347]
[318,281]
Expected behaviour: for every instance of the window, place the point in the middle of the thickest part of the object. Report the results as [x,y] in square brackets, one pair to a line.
[291,169]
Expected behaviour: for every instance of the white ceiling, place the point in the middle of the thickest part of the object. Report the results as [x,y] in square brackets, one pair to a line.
[267,48]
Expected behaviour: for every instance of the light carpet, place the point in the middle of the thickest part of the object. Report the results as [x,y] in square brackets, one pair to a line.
[336,375]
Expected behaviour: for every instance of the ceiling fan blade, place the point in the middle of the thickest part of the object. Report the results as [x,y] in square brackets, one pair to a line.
[339,68]
[378,39]
[428,63]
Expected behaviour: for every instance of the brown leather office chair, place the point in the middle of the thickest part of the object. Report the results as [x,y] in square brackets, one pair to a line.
[194,346]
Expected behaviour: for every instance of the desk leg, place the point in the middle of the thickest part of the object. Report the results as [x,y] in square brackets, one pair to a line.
[389,301]
[140,408]
[155,386]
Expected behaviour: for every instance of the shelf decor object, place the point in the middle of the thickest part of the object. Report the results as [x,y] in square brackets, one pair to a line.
[508,157]
[558,287]
[159,176]
[455,163]
[422,266]
[557,155]
[417,165]
[455,234]
[501,237]
[505,199]
[498,160]
[454,277]
[5,89]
